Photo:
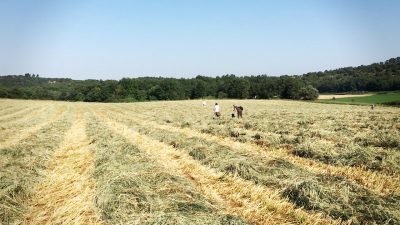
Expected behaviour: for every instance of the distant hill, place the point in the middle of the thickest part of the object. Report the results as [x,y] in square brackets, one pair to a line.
[384,76]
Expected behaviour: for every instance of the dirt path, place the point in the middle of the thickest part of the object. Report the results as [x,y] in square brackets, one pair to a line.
[66,193]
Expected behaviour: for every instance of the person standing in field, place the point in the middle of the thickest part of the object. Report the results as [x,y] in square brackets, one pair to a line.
[217,111]
[239,110]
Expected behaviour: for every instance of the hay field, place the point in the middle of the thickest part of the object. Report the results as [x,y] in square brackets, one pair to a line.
[285,162]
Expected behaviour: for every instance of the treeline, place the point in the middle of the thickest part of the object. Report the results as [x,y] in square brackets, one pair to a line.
[384,76]
[375,77]
[151,88]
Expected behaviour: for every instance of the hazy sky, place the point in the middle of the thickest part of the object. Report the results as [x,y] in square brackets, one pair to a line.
[183,38]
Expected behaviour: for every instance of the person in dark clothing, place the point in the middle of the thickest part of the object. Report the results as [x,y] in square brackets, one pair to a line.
[239,110]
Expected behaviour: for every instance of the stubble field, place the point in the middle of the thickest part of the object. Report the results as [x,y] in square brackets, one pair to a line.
[285,162]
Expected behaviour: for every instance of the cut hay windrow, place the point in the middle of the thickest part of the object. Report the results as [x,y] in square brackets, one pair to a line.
[11,110]
[285,162]
[4,107]
[283,127]
[31,115]
[378,151]
[373,159]
[133,189]
[354,205]
[20,113]
[15,129]
[257,204]
[12,118]
[379,183]
[65,194]
[19,133]
[21,165]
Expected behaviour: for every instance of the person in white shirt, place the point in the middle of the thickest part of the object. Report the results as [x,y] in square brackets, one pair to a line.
[217,112]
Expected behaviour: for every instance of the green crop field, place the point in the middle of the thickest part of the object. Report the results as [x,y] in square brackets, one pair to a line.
[379,98]
[172,162]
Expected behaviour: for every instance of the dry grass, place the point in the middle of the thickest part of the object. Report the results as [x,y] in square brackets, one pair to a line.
[257,204]
[33,123]
[10,109]
[21,165]
[24,119]
[360,211]
[18,114]
[134,189]
[280,174]
[65,194]
[285,162]
[377,182]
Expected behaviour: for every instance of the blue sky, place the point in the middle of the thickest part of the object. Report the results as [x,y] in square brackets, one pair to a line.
[114,39]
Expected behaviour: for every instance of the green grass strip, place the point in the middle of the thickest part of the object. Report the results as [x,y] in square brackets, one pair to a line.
[380,98]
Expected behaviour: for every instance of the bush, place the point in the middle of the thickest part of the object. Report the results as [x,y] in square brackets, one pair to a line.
[308,93]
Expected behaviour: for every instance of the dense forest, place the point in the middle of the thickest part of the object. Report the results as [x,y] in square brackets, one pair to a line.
[384,76]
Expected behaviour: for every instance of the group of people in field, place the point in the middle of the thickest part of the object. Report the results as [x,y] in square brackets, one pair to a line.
[237,109]
[217,110]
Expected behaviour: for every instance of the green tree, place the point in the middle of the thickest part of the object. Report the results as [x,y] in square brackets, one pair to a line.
[95,95]
[3,93]
[199,90]
[290,87]
[79,97]
[238,88]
